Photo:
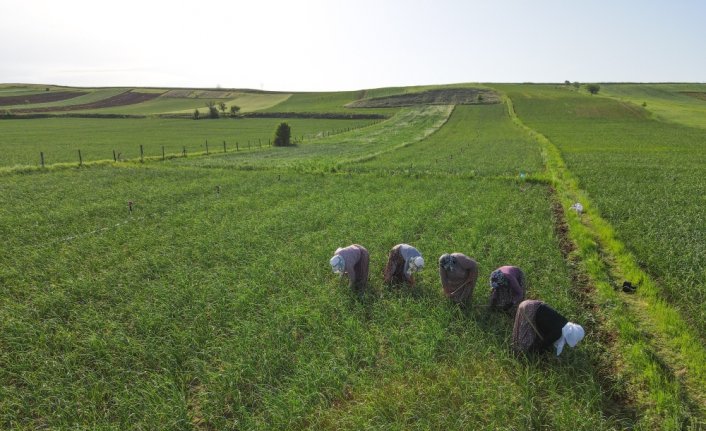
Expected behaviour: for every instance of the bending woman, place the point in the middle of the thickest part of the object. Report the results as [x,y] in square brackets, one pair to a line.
[507,288]
[402,262]
[459,274]
[538,327]
[353,261]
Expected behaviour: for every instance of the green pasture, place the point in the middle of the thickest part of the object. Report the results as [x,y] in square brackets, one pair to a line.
[332,102]
[21,141]
[667,101]
[220,311]
[330,153]
[476,140]
[647,178]
[212,305]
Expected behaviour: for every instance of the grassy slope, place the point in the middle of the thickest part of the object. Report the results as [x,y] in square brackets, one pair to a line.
[91,96]
[478,140]
[203,310]
[325,102]
[646,176]
[664,100]
[60,138]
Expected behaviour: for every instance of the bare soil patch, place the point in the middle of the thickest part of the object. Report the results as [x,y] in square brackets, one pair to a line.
[695,94]
[444,96]
[45,97]
[122,99]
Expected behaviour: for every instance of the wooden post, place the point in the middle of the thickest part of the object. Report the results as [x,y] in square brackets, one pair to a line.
[184,152]
[163,152]
[236,146]
[41,157]
[207,147]
[80,159]
[142,154]
[260,142]
[224,146]
[115,159]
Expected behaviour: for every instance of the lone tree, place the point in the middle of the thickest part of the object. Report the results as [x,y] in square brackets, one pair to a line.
[212,110]
[222,107]
[234,109]
[197,114]
[283,135]
[593,88]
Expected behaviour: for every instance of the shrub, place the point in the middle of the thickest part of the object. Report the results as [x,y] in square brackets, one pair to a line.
[197,114]
[593,88]
[283,135]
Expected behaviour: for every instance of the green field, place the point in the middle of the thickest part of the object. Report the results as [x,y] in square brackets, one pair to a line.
[61,138]
[212,304]
[668,102]
[646,176]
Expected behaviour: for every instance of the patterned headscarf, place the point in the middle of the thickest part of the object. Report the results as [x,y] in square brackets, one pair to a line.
[497,279]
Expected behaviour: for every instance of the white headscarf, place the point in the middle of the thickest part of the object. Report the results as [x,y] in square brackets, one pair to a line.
[337,264]
[571,334]
[415,264]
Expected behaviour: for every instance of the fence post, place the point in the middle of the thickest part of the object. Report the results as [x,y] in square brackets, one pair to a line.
[207,147]
[142,154]
[80,159]
[224,146]
[236,146]
[259,142]
[162,152]
[41,157]
[115,159]
[184,152]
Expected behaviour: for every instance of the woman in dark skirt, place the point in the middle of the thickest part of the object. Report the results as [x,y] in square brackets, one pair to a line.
[507,285]
[402,262]
[538,327]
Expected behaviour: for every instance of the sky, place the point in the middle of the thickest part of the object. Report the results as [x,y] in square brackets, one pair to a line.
[331,45]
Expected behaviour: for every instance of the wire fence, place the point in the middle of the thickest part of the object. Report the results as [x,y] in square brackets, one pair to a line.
[165,152]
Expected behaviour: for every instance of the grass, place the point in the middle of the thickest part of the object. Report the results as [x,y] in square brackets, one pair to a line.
[221,311]
[665,368]
[667,101]
[325,102]
[646,177]
[212,306]
[60,139]
[477,140]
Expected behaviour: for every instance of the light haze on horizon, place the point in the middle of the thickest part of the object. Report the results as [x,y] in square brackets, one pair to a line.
[348,45]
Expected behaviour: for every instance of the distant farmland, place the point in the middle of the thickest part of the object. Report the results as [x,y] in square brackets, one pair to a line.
[193,291]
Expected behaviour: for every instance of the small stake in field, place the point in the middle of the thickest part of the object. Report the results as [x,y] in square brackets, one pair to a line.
[236,146]
[162,152]
[129,206]
[41,158]
[115,158]
[224,146]
[218,191]
[184,152]
[207,147]
[142,154]
[80,159]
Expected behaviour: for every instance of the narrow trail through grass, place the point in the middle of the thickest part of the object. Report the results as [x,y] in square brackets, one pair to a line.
[661,354]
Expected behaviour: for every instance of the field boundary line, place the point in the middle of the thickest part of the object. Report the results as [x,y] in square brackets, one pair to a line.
[667,366]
